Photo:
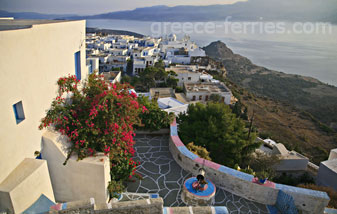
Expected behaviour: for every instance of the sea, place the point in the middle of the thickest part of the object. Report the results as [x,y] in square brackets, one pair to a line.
[308,49]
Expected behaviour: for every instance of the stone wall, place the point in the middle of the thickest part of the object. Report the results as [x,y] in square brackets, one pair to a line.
[241,184]
[146,206]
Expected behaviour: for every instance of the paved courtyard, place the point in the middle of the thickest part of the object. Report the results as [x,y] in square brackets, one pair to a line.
[164,176]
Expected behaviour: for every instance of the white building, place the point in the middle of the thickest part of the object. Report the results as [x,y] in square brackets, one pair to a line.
[185,75]
[172,42]
[34,55]
[327,173]
[178,56]
[103,46]
[197,52]
[139,66]
[202,91]
[118,58]
[169,104]
[290,161]
[93,64]
[118,52]
[147,52]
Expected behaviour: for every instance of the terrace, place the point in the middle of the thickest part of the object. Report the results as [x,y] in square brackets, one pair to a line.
[164,176]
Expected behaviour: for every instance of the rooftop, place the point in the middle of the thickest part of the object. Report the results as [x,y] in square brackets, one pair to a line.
[331,164]
[162,92]
[179,70]
[168,102]
[206,87]
[15,24]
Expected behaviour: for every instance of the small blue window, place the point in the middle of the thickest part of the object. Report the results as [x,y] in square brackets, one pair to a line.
[78,65]
[18,112]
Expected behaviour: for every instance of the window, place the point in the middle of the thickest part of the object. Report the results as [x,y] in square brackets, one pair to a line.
[200,97]
[206,98]
[193,98]
[78,65]
[90,67]
[18,112]
[189,78]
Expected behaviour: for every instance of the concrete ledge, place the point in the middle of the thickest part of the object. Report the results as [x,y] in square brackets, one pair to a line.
[241,184]
[161,131]
[77,180]
[83,206]
[147,206]
[24,185]
[195,210]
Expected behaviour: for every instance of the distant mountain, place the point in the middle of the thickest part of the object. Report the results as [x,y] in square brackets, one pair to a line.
[115,32]
[305,93]
[32,15]
[291,109]
[251,10]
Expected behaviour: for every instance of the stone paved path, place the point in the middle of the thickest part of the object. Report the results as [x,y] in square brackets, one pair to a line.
[164,176]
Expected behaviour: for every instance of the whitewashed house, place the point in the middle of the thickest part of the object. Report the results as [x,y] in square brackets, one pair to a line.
[118,52]
[185,75]
[139,66]
[28,89]
[202,91]
[93,64]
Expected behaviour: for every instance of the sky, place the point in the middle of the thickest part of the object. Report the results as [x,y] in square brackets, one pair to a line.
[93,6]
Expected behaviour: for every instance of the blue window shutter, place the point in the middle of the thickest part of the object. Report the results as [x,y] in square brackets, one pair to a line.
[18,112]
[78,65]
[15,112]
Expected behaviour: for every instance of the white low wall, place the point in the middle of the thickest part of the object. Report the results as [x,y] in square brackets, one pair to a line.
[230,183]
[292,165]
[26,183]
[77,180]
[241,184]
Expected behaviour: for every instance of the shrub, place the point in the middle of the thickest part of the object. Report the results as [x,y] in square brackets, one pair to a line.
[198,150]
[262,164]
[179,89]
[115,188]
[305,178]
[247,170]
[99,117]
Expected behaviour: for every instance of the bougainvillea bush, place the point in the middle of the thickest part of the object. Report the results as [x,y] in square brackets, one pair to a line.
[97,117]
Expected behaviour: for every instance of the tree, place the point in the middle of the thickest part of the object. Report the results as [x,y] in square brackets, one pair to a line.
[160,64]
[129,67]
[223,134]
[148,77]
[215,98]
[237,109]
[155,118]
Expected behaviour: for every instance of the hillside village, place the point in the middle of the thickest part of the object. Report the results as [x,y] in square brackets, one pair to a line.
[47,176]
[186,59]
